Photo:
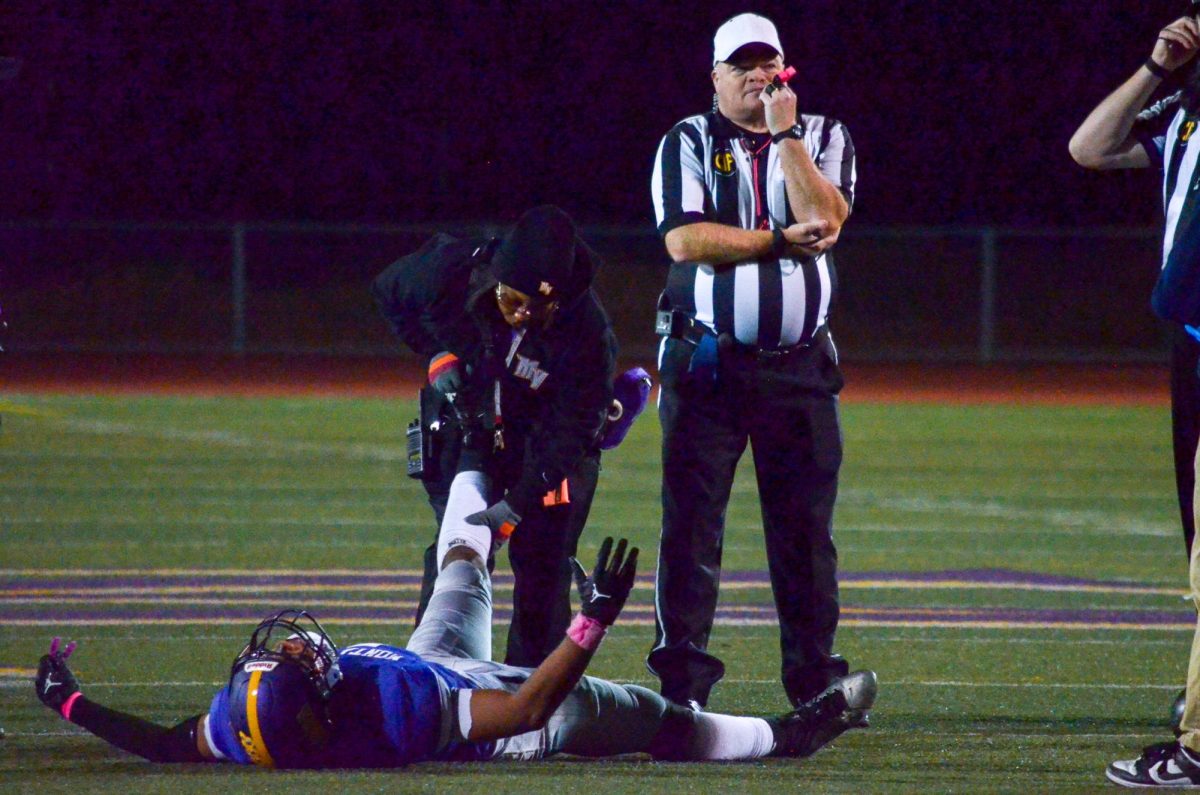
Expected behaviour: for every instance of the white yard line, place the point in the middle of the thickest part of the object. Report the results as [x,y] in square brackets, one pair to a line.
[358,451]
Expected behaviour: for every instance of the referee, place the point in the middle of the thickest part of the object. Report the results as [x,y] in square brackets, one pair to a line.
[1119,133]
[749,199]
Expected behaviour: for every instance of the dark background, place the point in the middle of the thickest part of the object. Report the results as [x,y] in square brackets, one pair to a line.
[396,112]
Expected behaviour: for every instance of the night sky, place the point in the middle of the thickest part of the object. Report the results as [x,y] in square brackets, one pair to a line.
[395,112]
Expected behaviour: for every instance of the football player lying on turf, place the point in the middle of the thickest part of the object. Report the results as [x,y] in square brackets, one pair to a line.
[295,700]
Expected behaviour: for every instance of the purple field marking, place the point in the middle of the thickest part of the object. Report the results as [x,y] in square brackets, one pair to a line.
[732,614]
[190,580]
[987,576]
[757,613]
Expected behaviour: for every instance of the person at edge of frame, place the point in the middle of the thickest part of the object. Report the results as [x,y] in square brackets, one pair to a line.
[749,198]
[1126,130]
[521,359]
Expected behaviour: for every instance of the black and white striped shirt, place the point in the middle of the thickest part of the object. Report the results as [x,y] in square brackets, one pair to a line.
[1168,133]
[708,169]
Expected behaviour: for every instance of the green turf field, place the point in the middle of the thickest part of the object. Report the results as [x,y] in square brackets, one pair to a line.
[1048,680]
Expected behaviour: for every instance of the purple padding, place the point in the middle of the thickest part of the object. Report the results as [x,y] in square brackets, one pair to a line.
[631,390]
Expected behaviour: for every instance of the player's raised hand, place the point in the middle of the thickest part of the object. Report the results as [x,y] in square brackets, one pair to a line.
[1176,43]
[55,683]
[603,594]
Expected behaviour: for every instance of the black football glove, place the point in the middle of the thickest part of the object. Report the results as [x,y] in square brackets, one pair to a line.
[55,683]
[604,593]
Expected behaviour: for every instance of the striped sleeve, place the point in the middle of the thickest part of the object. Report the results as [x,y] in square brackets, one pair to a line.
[835,158]
[677,185]
[1150,127]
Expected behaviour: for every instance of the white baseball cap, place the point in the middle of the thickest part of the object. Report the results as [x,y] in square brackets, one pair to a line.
[741,30]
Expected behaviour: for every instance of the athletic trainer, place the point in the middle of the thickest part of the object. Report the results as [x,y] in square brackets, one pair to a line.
[521,357]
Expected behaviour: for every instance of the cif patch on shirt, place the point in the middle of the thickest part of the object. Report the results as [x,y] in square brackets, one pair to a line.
[529,370]
[1186,129]
[723,162]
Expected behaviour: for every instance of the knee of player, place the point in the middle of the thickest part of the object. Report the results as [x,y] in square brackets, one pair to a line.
[464,552]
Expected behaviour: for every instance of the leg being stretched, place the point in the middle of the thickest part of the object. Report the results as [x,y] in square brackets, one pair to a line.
[458,620]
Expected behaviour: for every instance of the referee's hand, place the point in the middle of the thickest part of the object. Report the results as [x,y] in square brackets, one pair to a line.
[780,108]
[809,238]
[1176,43]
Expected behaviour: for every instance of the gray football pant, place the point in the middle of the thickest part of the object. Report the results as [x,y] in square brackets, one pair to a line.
[598,717]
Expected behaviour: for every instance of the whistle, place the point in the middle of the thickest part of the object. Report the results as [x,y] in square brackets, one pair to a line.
[787,74]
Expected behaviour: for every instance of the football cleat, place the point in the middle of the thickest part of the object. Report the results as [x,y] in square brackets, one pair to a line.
[817,722]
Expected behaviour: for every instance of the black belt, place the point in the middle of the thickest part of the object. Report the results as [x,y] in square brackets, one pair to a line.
[819,336]
[680,325]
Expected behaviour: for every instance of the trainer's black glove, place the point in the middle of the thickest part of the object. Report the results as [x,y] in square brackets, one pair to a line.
[604,593]
[55,683]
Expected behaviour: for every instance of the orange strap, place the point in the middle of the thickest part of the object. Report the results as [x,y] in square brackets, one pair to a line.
[559,496]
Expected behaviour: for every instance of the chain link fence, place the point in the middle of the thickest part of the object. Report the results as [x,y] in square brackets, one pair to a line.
[969,294]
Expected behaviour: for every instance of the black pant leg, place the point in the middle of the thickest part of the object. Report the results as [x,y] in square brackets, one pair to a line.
[797,446]
[1185,423]
[538,552]
[702,442]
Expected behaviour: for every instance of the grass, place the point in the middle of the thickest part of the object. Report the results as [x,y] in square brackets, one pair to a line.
[316,484]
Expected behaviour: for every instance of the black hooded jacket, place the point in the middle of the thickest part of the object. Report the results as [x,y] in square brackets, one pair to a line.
[555,388]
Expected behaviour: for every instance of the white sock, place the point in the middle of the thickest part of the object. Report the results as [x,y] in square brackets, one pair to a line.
[468,494]
[722,737]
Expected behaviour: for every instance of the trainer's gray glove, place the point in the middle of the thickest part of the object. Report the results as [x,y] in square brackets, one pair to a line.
[500,518]
[446,373]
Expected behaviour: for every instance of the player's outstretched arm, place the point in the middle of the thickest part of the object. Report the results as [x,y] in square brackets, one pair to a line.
[496,713]
[58,689]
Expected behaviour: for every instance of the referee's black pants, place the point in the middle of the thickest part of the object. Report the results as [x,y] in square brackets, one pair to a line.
[538,552]
[787,408]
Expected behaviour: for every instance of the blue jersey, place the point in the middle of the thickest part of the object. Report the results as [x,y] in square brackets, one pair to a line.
[391,708]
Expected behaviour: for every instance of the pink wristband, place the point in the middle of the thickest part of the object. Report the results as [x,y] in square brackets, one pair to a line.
[586,632]
[70,702]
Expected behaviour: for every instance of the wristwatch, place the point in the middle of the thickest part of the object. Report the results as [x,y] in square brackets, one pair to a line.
[795,131]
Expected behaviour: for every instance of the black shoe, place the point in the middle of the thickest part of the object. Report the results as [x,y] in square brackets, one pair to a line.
[1162,765]
[818,721]
[859,718]
[860,687]
[685,699]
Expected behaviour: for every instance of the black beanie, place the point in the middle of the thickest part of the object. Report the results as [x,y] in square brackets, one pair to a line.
[538,255]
